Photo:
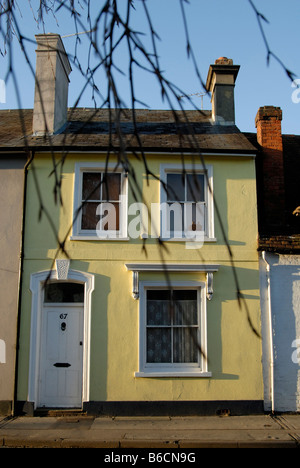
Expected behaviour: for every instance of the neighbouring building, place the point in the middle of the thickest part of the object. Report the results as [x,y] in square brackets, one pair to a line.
[278,173]
[155,309]
[12,177]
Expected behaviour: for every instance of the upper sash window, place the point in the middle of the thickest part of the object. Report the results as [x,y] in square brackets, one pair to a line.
[100,203]
[186,203]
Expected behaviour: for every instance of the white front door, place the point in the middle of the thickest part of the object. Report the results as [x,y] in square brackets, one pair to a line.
[61,358]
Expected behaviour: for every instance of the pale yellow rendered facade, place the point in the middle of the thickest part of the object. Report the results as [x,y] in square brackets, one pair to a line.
[233,349]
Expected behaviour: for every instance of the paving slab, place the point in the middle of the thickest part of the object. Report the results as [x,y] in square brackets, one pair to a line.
[291,420]
[151,432]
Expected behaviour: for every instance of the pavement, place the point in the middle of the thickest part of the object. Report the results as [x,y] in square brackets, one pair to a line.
[167,433]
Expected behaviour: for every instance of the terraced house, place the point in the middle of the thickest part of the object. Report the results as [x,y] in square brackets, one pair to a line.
[155,308]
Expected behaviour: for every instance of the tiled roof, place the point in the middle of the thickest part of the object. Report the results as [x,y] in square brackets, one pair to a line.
[157,131]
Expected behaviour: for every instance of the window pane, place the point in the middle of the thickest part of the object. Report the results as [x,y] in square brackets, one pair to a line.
[89,218]
[64,292]
[158,307]
[194,216]
[111,187]
[159,345]
[185,294]
[91,184]
[110,217]
[158,294]
[175,218]
[175,187]
[185,347]
[195,187]
[158,313]
[185,307]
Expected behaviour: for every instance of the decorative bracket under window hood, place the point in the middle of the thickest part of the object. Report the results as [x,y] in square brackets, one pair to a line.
[137,268]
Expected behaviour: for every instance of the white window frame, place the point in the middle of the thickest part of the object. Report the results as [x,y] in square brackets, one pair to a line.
[199,369]
[165,169]
[80,234]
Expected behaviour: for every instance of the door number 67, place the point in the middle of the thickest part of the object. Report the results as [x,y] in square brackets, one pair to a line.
[63,316]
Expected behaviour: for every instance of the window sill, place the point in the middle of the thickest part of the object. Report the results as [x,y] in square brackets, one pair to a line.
[186,239]
[167,374]
[84,237]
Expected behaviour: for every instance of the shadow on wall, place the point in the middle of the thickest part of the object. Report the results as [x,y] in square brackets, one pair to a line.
[219,316]
[99,337]
[99,329]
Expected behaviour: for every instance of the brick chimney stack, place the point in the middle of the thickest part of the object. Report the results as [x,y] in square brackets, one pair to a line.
[51,85]
[220,83]
[268,124]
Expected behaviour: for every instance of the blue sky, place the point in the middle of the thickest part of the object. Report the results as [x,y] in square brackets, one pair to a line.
[216,27]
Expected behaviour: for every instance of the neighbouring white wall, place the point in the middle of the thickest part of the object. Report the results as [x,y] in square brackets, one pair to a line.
[284,341]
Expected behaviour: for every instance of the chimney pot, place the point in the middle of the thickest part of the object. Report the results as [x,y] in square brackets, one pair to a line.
[223,61]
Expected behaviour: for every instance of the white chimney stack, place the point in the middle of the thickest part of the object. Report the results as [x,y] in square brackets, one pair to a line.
[51,85]
[220,82]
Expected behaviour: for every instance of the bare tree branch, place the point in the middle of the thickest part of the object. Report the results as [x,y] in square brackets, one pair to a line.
[108,31]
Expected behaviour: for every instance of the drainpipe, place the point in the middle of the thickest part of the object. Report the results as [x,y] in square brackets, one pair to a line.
[270,330]
[29,161]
